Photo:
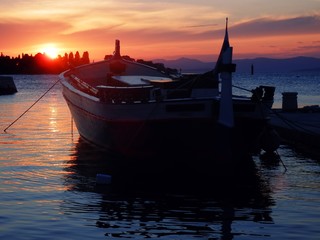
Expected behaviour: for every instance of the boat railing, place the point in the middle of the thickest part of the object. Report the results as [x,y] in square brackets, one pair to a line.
[83,85]
[178,93]
[127,94]
[261,93]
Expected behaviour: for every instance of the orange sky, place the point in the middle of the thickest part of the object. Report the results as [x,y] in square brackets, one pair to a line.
[165,29]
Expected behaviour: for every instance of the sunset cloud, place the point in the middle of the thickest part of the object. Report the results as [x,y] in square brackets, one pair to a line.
[161,29]
[278,27]
[22,35]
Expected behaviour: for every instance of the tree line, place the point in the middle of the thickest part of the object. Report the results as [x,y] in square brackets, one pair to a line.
[41,63]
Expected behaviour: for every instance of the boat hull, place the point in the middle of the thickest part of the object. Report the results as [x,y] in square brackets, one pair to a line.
[159,119]
[154,129]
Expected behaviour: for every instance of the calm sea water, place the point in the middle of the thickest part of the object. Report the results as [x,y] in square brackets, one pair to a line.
[48,181]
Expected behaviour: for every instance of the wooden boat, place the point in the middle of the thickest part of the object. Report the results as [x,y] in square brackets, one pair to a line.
[139,111]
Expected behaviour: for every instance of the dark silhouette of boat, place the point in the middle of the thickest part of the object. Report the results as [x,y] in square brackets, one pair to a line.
[138,111]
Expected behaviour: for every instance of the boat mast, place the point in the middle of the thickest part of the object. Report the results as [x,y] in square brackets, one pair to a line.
[225,67]
[116,53]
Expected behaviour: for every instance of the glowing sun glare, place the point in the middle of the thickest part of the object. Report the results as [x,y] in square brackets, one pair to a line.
[50,50]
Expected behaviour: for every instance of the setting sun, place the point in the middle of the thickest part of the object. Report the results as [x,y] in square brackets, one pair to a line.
[50,50]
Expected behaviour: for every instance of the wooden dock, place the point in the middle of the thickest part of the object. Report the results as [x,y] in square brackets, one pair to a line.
[300,128]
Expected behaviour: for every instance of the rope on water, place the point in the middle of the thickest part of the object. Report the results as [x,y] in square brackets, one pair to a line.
[5,130]
[292,124]
[241,88]
[285,168]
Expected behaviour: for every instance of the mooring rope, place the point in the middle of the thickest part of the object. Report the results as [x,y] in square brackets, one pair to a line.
[242,88]
[5,130]
[293,125]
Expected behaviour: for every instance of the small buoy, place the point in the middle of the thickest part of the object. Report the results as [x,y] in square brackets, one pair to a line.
[103,179]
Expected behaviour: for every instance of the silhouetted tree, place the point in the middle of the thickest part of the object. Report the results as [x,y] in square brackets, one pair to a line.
[77,58]
[42,64]
[85,58]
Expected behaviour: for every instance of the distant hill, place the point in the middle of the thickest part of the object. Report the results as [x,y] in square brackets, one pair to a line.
[279,65]
[187,64]
[261,65]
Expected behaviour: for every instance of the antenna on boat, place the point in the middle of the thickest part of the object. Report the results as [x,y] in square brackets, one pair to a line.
[227,28]
[117,49]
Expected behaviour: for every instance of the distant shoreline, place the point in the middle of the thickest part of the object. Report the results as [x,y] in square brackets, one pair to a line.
[260,65]
[41,64]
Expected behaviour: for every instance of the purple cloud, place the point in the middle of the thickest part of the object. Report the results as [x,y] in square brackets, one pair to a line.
[277,27]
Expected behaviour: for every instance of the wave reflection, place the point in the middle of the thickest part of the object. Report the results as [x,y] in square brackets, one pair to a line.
[136,206]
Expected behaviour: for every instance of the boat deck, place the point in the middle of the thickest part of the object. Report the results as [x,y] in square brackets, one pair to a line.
[140,80]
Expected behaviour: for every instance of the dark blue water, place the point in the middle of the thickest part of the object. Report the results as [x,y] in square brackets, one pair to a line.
[306,84]
[48,181]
